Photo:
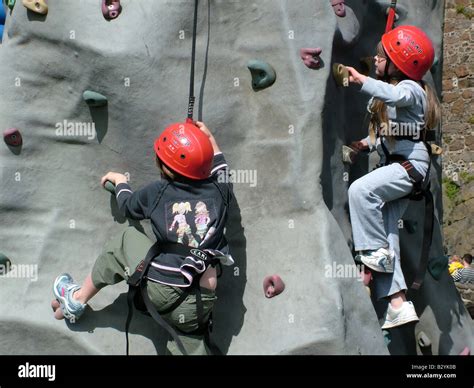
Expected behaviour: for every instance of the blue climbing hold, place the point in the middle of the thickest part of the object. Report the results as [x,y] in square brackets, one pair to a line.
[94,99]
[387,337]
[263,74]
[3,15]
[1,32]
[110,187]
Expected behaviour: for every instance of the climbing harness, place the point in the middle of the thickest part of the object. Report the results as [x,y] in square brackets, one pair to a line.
[421,190]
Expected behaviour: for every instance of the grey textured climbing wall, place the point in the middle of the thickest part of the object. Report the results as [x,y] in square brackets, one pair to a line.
[280,140]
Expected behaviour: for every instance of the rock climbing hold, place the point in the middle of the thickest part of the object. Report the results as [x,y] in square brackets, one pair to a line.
[387,337]
[465,352]
[1,32]
[4,264]
[341,74]
[94,99]
[12,137]
[273,286]
[437,266]
[37,6]
[423,340]
[111,9]
[366,65]
[3,15]
[348,155]
[110,187]
[311,57]
[10,3]
[263,74]
[339,7]
[411,226]
[436,149]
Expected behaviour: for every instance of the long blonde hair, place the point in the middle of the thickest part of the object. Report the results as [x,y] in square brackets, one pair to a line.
[379,109]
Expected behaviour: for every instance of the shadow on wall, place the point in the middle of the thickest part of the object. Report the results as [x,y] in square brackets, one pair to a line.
[229,310]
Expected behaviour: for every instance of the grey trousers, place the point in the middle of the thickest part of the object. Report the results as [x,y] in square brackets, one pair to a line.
[376,205]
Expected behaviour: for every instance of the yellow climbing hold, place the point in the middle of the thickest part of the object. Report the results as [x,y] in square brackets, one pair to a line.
[37,6]
[341,74]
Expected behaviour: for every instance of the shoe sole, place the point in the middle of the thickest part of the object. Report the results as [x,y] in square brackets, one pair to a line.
[376,268]
[63,304]
[397,323]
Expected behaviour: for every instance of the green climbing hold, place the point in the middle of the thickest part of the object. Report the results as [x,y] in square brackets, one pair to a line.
[341,74]
[263,74]
[4,264]
[387,337]
[94,99]
[437,266]
[411,226]
[10,3]
[110,187]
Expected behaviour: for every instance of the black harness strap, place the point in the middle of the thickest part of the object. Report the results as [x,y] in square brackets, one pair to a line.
[157,317]
[421,189]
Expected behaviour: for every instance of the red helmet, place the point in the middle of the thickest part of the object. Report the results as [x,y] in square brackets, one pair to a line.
[184,148]
[410,50]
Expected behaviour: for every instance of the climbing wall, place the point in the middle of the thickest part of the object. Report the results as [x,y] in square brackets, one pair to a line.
[283,140]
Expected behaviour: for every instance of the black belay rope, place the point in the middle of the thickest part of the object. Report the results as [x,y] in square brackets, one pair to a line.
[192,98]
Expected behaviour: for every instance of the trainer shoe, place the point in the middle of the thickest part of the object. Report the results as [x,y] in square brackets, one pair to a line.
[63,289]
[396,317]
[380,260]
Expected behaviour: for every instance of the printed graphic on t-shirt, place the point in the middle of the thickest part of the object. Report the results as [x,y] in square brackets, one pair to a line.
[190,222]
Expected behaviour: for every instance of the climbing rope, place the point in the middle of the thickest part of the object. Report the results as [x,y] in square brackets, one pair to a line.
[192,98]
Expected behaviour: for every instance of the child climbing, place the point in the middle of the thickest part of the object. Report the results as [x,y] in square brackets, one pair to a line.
[402,109]
[179,284]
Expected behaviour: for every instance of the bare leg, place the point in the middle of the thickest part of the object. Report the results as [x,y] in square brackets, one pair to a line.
[209,279]
[83,295]
[397,299]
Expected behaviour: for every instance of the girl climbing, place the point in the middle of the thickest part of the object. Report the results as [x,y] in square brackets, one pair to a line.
[402,109]
[180,286]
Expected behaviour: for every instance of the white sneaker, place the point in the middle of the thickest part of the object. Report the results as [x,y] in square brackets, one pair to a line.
[397,317]
[381,260]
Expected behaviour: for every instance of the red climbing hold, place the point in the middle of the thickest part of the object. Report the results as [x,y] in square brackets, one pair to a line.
[310,57]
[111,9]
[273,286]
[465,352]
[12,137]
[339,7]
